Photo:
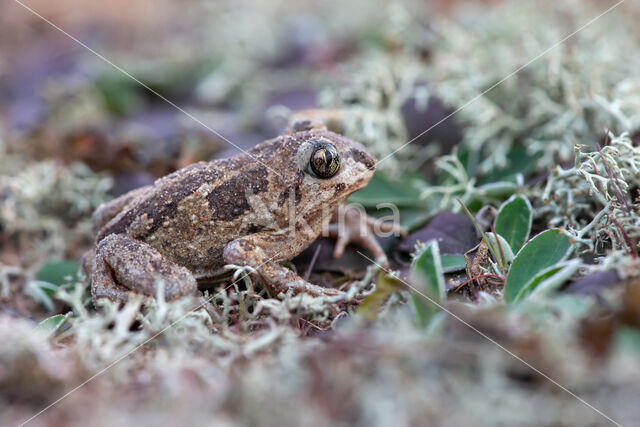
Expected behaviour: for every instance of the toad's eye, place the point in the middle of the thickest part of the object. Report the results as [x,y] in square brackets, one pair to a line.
[325,160]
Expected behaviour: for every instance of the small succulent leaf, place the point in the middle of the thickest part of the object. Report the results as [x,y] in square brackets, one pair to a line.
[513,221]
[543,251]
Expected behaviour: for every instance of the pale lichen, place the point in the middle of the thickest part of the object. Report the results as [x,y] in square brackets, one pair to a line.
[596,200]
[47,202]
[527,74]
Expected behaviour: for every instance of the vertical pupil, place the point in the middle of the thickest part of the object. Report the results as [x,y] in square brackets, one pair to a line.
[324,161]
[321,159]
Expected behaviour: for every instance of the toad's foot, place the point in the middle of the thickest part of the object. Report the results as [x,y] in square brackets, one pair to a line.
[354,226]
[123,265]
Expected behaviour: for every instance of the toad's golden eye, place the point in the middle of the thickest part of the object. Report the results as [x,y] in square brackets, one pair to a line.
[325,160]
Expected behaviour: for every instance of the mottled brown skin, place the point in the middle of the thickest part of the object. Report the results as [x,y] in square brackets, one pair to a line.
[191,223]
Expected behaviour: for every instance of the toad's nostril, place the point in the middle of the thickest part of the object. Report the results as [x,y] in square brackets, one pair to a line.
[365,158]
[371,161]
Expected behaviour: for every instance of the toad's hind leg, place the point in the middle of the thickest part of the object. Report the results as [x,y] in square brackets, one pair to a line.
[107,211]
[123,265]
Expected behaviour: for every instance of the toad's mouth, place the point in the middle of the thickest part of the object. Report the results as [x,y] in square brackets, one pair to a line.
[363,178]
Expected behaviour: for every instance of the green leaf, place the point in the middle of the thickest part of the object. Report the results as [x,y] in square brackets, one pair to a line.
[428,279]
[385,286]
[57,272]
[513,221]
[541,252]
[451,263]
[549,279]
[52,324]
[382,190]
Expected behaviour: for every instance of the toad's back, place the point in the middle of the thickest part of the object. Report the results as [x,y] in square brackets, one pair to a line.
[191,214]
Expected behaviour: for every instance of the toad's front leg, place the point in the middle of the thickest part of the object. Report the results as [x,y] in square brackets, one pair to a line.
[123,265]
[351,224]
[262,252]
